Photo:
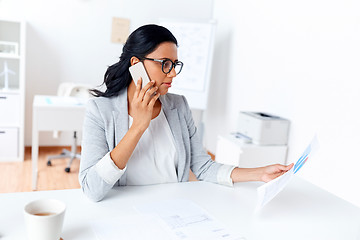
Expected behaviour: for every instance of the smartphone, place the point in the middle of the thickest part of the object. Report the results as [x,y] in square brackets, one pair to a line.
[138,70]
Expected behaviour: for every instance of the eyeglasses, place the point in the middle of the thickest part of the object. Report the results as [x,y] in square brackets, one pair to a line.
[167,65]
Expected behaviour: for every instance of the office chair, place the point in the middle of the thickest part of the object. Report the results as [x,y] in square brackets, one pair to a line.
[76,90]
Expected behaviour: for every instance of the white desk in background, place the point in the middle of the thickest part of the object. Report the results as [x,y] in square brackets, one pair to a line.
[52,113]
[300,211]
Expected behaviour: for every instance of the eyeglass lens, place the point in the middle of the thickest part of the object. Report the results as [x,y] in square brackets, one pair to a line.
[168,64]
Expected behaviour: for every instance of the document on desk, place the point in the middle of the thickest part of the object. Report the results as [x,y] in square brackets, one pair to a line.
[269,190]
[188,221]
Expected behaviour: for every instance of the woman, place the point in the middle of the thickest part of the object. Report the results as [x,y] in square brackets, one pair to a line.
[139,135]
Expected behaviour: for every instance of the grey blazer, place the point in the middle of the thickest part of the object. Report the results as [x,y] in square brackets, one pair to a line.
[106,123]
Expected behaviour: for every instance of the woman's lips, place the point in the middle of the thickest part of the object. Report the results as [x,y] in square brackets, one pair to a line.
[168,84]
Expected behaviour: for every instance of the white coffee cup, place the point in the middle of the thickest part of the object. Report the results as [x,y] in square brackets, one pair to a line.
[44,219]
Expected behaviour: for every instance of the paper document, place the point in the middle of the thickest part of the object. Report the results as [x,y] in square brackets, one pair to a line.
[269,190]
[188,221]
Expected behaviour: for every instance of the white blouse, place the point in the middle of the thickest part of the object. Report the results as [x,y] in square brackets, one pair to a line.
[154,158]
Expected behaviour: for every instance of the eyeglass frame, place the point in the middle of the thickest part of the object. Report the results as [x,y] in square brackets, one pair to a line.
[173,64]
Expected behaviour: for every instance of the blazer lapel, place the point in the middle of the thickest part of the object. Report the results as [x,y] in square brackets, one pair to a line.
[120,116]
[172,117]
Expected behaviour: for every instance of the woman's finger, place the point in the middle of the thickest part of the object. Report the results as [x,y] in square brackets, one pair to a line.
[288,167]
[138,87]
[149,95]
[153,100]
[146,88]
[285,168]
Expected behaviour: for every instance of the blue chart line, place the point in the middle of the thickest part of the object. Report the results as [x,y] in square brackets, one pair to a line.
[298,161]
[313,146]
[301,164]
[301,160]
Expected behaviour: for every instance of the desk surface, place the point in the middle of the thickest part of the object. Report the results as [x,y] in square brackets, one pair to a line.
[301,211]
[59,101]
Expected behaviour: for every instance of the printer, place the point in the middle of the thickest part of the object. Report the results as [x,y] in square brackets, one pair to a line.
[263,128]
[260,140]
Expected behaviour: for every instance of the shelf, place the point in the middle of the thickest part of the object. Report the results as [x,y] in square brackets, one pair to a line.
[5,125]
[9,91]
[9,56]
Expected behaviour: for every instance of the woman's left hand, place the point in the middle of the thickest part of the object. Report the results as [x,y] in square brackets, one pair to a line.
[273,171]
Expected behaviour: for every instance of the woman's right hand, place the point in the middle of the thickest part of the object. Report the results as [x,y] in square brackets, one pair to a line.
[142,104]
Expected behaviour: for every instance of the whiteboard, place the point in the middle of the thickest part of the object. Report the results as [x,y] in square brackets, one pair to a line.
[196,45]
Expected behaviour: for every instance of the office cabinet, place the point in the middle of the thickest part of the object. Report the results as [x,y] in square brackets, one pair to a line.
[12,89]
[233,151]
[9,143]
[9,109]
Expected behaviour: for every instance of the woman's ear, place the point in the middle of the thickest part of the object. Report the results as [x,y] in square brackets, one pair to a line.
[134,60]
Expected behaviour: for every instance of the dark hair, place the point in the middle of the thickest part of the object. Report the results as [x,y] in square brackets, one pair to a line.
[140,43]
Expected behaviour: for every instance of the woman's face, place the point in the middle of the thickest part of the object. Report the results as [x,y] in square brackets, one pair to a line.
[166,50]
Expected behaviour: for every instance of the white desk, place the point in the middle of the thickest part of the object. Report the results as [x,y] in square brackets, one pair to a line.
[301,211]
[52,113]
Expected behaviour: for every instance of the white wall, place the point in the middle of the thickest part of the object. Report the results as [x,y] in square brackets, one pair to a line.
[69,40]
[299,60]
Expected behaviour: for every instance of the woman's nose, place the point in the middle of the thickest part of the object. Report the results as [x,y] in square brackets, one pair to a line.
[172,73]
